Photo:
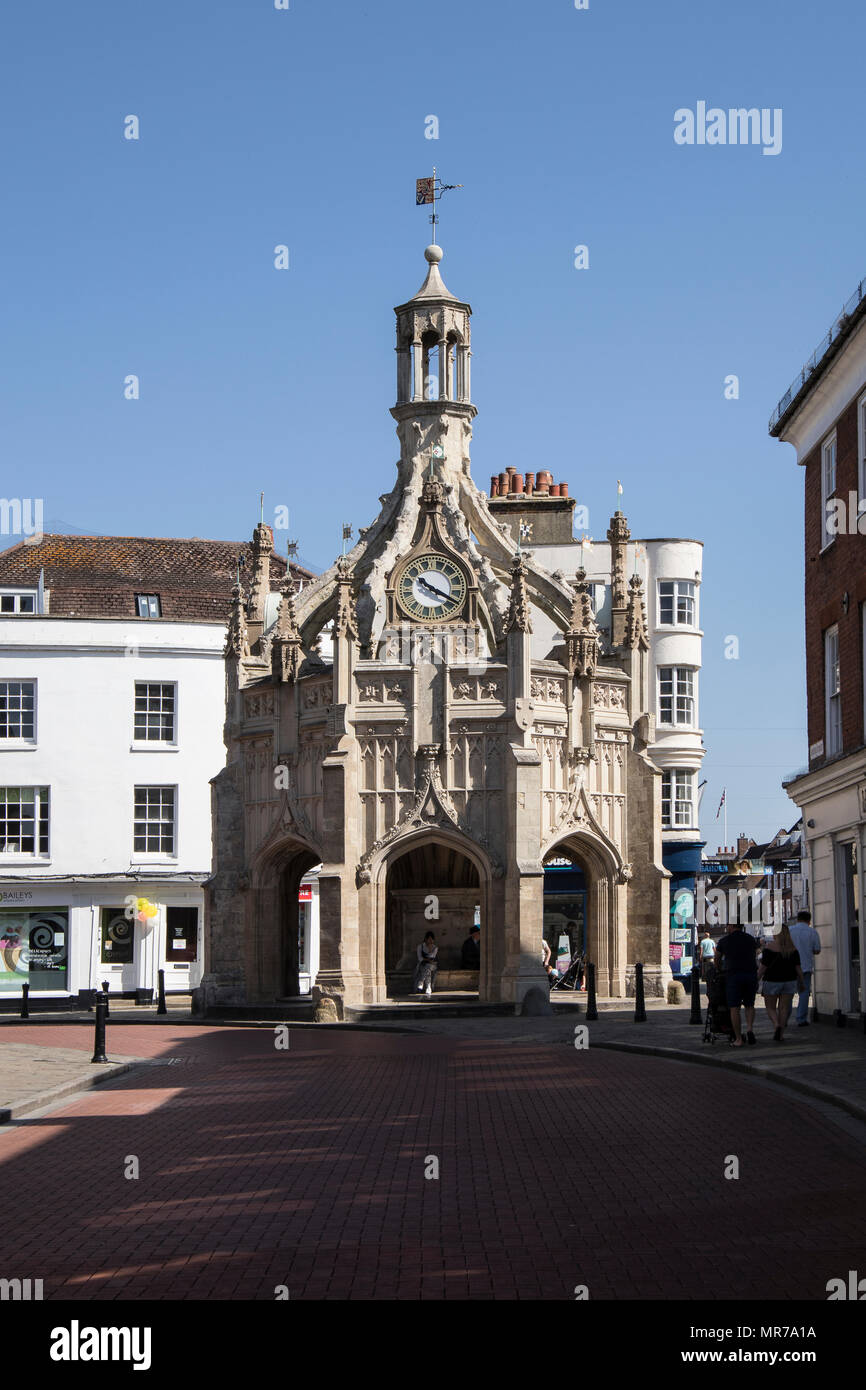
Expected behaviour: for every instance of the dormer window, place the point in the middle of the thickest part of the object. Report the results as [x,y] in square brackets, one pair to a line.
[18,601]
[148,605]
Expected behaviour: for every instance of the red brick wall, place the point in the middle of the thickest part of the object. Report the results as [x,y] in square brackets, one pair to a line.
[839,569]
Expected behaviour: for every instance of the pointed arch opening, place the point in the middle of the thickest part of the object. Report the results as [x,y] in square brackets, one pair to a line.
[278,938]
[583,909]
[433,886]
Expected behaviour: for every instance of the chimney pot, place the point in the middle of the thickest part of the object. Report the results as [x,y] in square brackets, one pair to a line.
[554,491]
[494,485]
[563,489]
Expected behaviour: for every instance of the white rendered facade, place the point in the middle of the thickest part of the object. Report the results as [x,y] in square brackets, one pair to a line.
[85,675]
[675,645]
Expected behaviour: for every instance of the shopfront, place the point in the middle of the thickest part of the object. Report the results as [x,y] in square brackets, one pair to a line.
[34,949]
[69,943]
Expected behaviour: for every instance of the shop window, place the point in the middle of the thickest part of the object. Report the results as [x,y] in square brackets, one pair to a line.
[34,949]
[117,937]
[181,935]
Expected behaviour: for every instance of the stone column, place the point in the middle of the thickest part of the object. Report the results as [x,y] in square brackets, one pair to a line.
[404,373]
[418,364]
[443,369]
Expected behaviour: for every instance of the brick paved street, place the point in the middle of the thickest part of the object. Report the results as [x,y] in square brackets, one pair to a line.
[306,1168]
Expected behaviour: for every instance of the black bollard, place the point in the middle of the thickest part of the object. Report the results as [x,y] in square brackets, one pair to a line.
[25,1006]
[105,992]
[841,1020]
[591,1008]
[639,1005]
[160,1007]
[695,1015]
[99,1035]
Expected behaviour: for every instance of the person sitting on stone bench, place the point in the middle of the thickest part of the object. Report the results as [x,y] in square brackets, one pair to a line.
[425,970]
[470,955]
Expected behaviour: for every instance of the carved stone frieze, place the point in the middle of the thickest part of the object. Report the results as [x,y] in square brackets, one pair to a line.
[550,690]
[259,705]
[317,694]
[608,696]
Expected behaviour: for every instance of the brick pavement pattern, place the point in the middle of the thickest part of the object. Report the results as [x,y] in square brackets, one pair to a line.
[305,1168]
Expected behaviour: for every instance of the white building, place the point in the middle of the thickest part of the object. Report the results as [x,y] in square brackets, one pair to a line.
[110,731]
[670,570]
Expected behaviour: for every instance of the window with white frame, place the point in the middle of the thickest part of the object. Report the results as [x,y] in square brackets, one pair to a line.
[677,695]
[17,601]
[148,605]
[155,708]
[24,821]
[154,820]
[678,800]
[828,487]
[832,694]
[17,711]
[676,603]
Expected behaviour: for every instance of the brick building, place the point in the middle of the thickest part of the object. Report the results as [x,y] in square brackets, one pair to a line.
[823,414]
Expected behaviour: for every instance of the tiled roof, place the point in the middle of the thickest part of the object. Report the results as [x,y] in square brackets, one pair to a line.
[100,576]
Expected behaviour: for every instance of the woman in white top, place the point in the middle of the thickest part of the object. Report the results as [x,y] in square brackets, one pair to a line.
[425,970]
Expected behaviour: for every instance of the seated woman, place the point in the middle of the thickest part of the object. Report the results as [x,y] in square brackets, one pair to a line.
[425,970]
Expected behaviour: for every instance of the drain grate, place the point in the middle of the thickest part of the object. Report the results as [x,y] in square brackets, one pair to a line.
[166,1061]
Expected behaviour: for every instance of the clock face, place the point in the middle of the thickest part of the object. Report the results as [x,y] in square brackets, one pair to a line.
[431,588]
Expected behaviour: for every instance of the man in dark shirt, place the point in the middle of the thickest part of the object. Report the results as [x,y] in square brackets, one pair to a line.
[470,956]
[735,954]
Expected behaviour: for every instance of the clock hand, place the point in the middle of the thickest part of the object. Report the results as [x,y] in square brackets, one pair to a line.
[425,584]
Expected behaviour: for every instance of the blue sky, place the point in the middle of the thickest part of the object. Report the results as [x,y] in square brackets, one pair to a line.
[306,127]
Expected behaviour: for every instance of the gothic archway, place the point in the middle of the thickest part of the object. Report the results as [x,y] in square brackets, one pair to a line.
[590,906]
[432,883]
[272,918]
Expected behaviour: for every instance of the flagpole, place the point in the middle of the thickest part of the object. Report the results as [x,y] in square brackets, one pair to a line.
[726,818]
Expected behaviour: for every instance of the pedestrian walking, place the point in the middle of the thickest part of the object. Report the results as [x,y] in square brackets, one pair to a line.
[735,954]
[707,951]
[780,972]
[808,944]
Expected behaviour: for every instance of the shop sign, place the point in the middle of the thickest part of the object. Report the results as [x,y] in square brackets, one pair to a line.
[305,893]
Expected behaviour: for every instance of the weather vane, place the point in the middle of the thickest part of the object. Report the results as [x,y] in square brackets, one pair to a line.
[524,533]
[347,534]
[430,191]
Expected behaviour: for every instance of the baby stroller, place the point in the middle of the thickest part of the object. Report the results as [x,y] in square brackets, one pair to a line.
[718,1022]
[573,977]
